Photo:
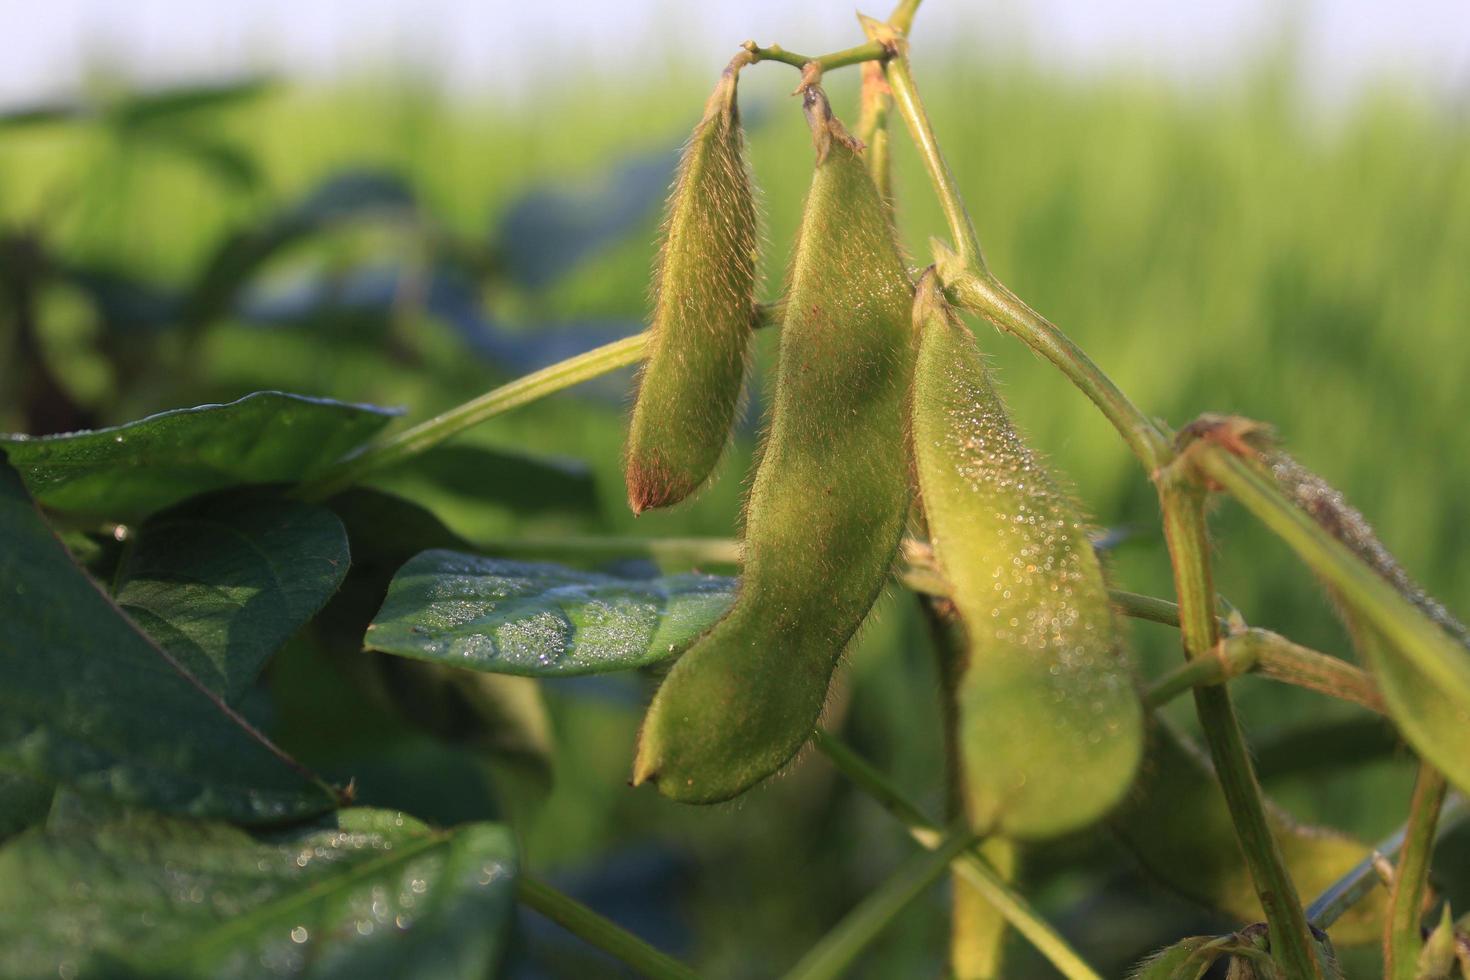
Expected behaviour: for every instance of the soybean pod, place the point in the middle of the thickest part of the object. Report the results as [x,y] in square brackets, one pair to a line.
[704,309]
[1049,725]
[826,508]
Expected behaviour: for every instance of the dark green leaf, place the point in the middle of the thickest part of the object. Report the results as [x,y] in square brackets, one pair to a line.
[86,699]
[141,895]
[538,619]
[174,103]
[350,195]
[221,582]
[131,470]
[24,801]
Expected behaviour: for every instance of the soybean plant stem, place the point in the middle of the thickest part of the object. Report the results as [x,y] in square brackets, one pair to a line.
[976,871]
[1270,655]
[836,951]
[410,442]
[871,51]
[1187,533]
[1358,883]
[1401,940]
[607,936]
[969,283]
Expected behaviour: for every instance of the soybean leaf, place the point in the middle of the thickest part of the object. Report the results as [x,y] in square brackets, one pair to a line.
[347,196]
[131,470]
[24,801]
[87,700]
[539,619]
[1179,828]
[142,895]
[222,581]
[177,103]
[549,232]
[503,719]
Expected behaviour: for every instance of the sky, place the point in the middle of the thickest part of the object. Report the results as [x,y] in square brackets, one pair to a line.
[502,47]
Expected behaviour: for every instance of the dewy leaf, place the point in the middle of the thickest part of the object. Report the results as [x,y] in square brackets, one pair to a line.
[143,895]
[86,699]
[130,470]
[826,507]
[223,581]
[539,619]
[703,314]
[1177,825]
[1043,648]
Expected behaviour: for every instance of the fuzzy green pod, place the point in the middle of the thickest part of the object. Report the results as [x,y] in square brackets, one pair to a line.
[826,508]
[704,303]
[1050,726]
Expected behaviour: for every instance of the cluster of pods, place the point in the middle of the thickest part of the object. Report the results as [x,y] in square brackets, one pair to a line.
[884,420]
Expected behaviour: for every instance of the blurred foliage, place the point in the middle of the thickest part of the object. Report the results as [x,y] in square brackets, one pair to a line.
[381,242]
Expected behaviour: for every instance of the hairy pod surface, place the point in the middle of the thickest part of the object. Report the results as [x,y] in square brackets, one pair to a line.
[704,302]
[826,507]
[1050,726]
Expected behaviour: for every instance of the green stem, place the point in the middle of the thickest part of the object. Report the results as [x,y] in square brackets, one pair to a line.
[970,284]
[837,950]
[607,936]
[1189,548]
[976,871]
[1358,883]
[1402,939]
[410,442]
[1275,657]
[1418,638]
[872,51]
[911,108]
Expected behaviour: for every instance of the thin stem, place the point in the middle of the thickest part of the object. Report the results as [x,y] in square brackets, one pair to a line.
[1200,672]
[1402,939]
[906,98]
[606,935]
[837,950]
[1137,606]
[1274,657]
[1415,636]
[1279,659]
[976,871]
[873,130]
[1358,883]
[871,51]
[1189,548]
[410,442]
[969,283]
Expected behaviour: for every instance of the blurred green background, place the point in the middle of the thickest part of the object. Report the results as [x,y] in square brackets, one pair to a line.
[1235,248]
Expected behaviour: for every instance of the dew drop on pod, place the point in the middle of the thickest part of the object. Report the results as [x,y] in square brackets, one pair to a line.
[1049,722]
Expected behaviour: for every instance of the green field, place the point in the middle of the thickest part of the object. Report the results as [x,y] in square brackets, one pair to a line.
[1238,250]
